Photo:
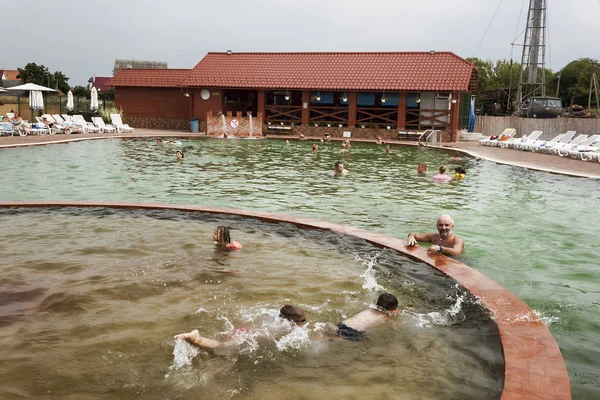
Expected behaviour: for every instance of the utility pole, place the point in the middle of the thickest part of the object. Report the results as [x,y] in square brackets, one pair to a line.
[594,83]
[557,85]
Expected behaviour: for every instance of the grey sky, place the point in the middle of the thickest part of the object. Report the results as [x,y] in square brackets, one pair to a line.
[82,38]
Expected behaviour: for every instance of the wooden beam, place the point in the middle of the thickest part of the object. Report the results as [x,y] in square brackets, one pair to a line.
[352,105]
[402,100]
[305,110]
[261,102]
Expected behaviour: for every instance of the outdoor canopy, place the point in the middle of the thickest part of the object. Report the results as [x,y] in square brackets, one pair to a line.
[29,87]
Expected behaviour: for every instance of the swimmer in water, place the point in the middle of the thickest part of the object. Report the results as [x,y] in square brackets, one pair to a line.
[459,173]
[339,169]
[355,327]
[293,314]
[441,176]
[443,241]
[222,239]
[179,155]
[422,168]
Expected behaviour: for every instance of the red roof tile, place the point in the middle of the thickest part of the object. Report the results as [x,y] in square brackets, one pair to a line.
[408,71]
[149,77]
[99,82]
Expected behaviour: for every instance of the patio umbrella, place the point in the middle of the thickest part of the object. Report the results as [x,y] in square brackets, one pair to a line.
[70,104]
[29,87]
[94,100]
[40,100]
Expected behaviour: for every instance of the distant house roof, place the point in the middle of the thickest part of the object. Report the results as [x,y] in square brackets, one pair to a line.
[400,71]
[11,74]
[99,82]
[149,77]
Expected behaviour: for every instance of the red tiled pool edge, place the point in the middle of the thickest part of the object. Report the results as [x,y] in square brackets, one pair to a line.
[535,368]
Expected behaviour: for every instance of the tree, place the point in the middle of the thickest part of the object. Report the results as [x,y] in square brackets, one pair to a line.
[81,91]
[575,81]
[39,74]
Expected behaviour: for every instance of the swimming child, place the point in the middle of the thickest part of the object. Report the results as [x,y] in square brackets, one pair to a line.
[315,148]
[459,173]
[422,168]
[222,239]
[179,155]
[291,313]
[441,175]
[354,328]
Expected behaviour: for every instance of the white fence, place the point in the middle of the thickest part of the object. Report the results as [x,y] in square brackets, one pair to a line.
[551,127]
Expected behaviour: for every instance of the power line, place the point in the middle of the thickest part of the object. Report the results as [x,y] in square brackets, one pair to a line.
[488,27]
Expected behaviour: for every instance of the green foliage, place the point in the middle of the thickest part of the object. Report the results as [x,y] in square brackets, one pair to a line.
[575,81]
[81,91]
[494,76]
[105,114]
[39,74]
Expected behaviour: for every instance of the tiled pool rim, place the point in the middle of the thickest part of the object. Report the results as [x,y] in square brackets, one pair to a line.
[534,366]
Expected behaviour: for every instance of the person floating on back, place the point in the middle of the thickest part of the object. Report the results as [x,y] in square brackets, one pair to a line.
[355,327]
[222,239]
[443,241]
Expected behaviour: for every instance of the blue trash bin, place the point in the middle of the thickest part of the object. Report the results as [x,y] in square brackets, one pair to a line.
[194,125]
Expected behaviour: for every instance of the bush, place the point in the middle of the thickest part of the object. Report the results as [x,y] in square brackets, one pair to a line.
[105,113]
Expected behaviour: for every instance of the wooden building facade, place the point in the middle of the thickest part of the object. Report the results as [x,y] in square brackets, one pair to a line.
[366,94]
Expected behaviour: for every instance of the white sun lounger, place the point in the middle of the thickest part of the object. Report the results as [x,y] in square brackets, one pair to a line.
[118,122]
[505,135]
[567,137]
[99,122]
[575,149]
[566,145]
[87,126]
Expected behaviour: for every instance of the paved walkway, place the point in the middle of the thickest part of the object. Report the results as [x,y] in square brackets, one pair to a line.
[536,161]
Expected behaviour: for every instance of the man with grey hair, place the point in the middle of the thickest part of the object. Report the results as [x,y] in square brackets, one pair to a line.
[443,241]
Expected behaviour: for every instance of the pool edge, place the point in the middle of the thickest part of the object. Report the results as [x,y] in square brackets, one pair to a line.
[534,366]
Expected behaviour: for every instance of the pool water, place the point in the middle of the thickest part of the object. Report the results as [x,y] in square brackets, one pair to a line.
[93,310]
[532,232]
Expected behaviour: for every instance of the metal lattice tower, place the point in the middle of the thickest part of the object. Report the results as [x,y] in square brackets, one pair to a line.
[532,79]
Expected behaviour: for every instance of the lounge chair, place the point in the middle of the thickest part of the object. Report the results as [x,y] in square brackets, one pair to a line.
[573,143]
[539,144]
[67,117]
[495,140]
[565,139]
[58,118]
[591,153]
[8,129]
[118,122]
[85,125]
[99,122]
[575,149]
[517,143]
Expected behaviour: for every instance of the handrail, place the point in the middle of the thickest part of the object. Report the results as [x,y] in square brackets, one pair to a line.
[433,135]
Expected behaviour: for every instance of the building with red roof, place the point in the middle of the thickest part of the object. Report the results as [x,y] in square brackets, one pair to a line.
[366,94]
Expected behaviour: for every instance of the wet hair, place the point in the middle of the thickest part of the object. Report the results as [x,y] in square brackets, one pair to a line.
[337,164]
[387,302]
[292,313]
[442,169]
[460,170]
[180,152]
[222,235]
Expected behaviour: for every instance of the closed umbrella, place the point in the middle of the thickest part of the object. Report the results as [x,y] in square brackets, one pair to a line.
[70,103]
[40,100]
[94,100]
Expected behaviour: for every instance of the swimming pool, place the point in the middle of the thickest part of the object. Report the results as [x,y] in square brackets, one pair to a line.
[94,311]
[531,232]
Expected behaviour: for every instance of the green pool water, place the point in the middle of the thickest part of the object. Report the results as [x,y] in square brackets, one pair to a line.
[532,232]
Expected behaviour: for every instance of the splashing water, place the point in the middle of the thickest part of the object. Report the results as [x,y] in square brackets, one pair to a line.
[296,339]
[447,317]
[183,354]
[547,319]
[250,121]
[369,279]
[224,124]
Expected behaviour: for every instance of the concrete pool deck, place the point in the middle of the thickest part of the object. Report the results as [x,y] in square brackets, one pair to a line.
[525,159]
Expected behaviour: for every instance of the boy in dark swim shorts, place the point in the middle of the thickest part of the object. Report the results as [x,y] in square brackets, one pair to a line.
[354,327]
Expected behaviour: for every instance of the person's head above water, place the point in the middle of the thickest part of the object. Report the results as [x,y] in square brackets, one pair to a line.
[387,301]
[179,155]
[445,224]
[292,313]
[442,169]
[339,167]
[422,168]
[222,236]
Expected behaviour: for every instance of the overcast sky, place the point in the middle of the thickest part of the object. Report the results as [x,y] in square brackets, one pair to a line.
[82,38]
